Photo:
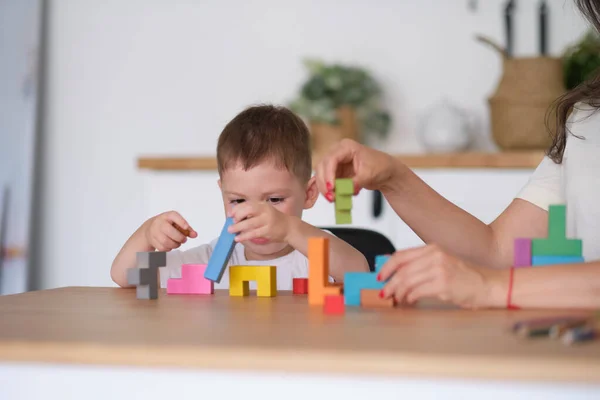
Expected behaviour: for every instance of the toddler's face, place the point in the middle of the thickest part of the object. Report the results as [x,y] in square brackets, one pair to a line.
[267,183]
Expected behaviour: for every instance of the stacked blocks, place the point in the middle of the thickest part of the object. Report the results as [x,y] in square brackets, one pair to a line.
[355,282]
[300,285]
[192,281]
[333,305]
[145,275]
[555,249]
[344,190]
[221,253]
[318,272]
[241,275]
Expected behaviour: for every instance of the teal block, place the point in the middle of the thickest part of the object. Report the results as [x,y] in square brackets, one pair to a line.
[354,282]
[344,186]
[557,222]
[554,260]
[557,247]
[379,261]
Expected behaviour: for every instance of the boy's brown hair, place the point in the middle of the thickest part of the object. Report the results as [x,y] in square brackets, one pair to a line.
[266,133]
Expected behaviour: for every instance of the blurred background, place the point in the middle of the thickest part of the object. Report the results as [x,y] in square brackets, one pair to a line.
[99,101]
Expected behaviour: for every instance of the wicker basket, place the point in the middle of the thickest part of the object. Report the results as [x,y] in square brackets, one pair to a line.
[519,106]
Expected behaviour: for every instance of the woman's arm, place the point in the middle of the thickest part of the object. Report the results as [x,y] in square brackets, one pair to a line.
[557,286]
[436,220]
[431,216]
[429,271]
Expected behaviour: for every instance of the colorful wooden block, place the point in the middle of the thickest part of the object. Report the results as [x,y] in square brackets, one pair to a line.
[151,259]
[333,305]
[300,285]
[146,274]
[318,271]
[343,217]
[344,186]
[380,262]
[343,203]
[369,298]
[221,253]
[556,247]
[192,281]
[264,276]
[554,260]
[522,253]
[557,221]
[354,282]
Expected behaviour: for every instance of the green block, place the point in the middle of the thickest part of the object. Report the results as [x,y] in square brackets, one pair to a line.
[343,217]
[556,247]
[557,222]
[344,186]
[343,203]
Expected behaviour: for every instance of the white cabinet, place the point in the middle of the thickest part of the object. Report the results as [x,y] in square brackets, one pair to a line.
[196,195]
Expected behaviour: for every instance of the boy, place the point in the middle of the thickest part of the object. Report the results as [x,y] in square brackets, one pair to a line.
[264,163]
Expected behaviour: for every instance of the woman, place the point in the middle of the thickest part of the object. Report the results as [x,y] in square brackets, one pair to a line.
[454,265]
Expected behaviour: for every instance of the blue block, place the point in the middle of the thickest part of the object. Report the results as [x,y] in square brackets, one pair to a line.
[354,282]
[553,260]
[379,261]
[221,253]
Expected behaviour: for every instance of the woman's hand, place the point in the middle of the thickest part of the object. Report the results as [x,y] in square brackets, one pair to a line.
[428,271]
[368,168]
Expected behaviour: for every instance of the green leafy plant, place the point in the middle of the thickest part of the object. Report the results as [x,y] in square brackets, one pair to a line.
[581,60]
[330,87]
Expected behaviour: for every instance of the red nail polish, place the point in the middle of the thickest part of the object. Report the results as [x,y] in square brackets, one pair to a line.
[379,277]
[381,295]
[329,186]
[329,197]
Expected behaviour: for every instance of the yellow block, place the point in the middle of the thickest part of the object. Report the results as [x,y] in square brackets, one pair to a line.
[241,275]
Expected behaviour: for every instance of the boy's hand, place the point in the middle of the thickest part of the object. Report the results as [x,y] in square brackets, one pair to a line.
[168,231]
[259,221]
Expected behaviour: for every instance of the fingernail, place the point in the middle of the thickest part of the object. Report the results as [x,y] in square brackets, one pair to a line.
[329,197]
[329,186]
[379,277]
[381,295]
[356,189]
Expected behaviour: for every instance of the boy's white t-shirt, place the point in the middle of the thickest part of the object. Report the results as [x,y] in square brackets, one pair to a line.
[292,265]
[575,182]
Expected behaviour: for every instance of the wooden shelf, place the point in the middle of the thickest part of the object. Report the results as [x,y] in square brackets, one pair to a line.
[512,160]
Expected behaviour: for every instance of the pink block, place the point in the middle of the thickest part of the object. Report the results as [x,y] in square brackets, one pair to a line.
[522,253]
[192,281]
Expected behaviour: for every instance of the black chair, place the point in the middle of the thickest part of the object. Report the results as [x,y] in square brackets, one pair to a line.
[368,242]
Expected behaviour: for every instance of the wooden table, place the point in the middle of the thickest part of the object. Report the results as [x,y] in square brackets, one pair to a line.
[109,326]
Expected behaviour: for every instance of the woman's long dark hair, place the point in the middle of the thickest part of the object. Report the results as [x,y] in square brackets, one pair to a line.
[587,92]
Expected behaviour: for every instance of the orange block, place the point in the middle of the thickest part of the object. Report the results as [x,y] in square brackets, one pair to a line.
[369,298]
[318,272]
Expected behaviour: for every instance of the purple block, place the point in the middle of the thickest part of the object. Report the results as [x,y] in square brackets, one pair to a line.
[522,253]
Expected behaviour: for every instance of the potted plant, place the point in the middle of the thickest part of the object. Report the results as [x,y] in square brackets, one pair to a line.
[581,60]
[340,102]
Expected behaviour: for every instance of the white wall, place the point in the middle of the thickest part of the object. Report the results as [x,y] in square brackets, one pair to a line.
[134,77]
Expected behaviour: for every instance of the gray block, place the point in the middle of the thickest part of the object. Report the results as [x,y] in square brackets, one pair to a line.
[151,259]
[147,292]
[137,276]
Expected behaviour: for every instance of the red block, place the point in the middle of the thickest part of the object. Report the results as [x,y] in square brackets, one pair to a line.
[334,305]
[300,285]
